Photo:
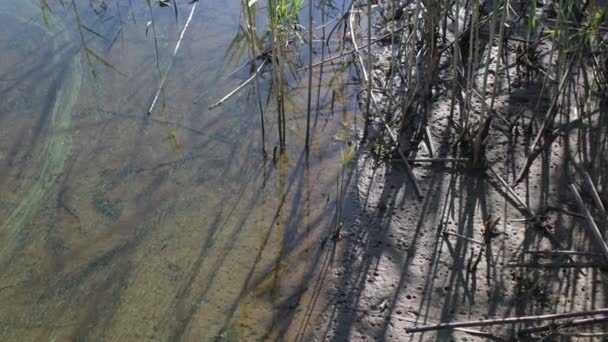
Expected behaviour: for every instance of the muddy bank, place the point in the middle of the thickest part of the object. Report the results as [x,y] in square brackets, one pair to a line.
[480,243]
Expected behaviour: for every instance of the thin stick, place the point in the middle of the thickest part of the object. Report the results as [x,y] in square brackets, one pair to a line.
[560,252]
[501,321]
[582,334]
[577,322]
[594,192]
[556,265]
[429,138]
[252,29]
[356,50]
[369,67]
[179,41]
[439,160]
[531,214]
[595,231]
[486,335]
[446,234]
[236,90]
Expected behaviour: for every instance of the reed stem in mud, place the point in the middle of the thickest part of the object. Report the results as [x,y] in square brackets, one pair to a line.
[251,29]
[322,4]
[275,23]
[310,52]
[369,68]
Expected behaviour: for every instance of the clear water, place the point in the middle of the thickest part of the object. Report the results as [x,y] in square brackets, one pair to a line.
[119,226]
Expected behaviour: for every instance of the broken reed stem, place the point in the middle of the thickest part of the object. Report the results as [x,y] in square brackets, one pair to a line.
[582,334]
[555,326]
[310,52]
[529,212]
[252,33]
[502,321]
[241,86]
[431,144]
[550,116]
[561,252]
[369,68]
[478,333]
[448,233]
[595,231]
[278,70]
[356,51]
[557,265]
[439,160]
[594,193]
[320,79]
[371,100]
[177,45]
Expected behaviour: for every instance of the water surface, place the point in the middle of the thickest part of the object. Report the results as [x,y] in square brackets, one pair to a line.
[121,226]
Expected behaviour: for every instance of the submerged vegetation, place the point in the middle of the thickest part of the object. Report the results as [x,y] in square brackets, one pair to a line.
[559,44]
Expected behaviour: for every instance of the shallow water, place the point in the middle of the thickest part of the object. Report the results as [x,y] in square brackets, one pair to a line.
[119,226]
